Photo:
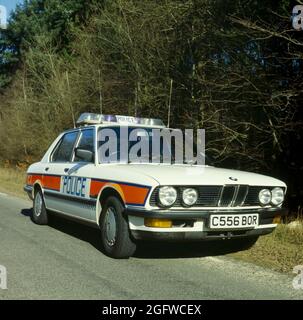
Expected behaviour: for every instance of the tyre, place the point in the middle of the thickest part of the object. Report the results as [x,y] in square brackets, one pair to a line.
[115,235]
[39,212]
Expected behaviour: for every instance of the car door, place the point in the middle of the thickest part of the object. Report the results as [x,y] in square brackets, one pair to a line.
[75,184]
[57,167]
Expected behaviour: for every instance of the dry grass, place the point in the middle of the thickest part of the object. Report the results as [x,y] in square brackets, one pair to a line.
[12,181]
[281,250]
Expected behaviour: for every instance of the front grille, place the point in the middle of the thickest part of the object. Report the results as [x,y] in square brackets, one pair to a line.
[252,198]
[241,195]
[227,196]
[208,196]
[218,196]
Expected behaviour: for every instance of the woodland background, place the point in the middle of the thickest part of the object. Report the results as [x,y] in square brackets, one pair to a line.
[235,68]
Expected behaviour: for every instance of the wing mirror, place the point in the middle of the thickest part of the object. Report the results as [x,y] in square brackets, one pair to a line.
[84,155]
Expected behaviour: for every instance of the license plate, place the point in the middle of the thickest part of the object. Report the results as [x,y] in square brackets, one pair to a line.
[233,221]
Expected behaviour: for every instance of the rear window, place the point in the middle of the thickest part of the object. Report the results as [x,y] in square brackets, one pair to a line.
[63,151]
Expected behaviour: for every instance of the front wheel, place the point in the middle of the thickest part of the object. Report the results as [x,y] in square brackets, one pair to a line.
[115,235]
[39,212]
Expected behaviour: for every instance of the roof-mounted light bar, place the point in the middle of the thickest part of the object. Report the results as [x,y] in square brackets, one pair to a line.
[93,118]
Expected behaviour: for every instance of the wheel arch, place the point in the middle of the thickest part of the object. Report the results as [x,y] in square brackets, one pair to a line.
[105,192]
[37,186]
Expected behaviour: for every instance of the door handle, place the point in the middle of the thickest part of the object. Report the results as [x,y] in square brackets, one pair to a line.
[46,169]
[66,169]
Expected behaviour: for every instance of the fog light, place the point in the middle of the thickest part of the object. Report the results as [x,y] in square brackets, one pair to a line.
[157,223]
[277,219]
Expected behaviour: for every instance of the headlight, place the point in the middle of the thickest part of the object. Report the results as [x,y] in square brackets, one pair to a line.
[277,196]
[264,196]
[189,196]
[167,196]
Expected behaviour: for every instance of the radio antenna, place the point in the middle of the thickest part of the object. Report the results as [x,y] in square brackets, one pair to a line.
[169,102]
[136,98]
[69,100]
[100,91]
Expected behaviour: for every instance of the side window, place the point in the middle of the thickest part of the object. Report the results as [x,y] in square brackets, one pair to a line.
[63,151]
[86,142]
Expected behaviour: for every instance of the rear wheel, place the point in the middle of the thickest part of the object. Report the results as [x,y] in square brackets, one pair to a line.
[39,212]
[115,235]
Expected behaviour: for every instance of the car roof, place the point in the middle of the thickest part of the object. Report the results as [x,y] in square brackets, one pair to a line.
[110,125]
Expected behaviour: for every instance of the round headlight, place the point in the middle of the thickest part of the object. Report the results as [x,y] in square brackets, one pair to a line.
[189,196]
[264,196]
[277,196]
[167,196]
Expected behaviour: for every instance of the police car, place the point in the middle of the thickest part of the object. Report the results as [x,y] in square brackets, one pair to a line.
[146,201]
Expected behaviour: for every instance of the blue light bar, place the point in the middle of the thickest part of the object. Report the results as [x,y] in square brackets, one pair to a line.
[93,118]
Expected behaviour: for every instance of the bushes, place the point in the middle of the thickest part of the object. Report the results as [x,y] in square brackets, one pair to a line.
[122,57]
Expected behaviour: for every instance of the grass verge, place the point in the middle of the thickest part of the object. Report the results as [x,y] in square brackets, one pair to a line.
[280,251]
[12,181]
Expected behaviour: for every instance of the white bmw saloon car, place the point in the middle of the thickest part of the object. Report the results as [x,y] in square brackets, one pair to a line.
[133,201]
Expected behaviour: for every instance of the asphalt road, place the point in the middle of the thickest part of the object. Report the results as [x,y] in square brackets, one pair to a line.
[63,261]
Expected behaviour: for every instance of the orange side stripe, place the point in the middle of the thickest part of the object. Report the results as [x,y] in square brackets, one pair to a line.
[31,179]
[49,182]
[95,188]
[132,194]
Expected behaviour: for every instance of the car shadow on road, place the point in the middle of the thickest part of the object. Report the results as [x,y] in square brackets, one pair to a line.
[145,250]
[175,250]
[26,212]
[71,228]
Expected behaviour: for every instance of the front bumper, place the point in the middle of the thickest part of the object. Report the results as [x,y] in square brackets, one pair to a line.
[199,224]
[198,236]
